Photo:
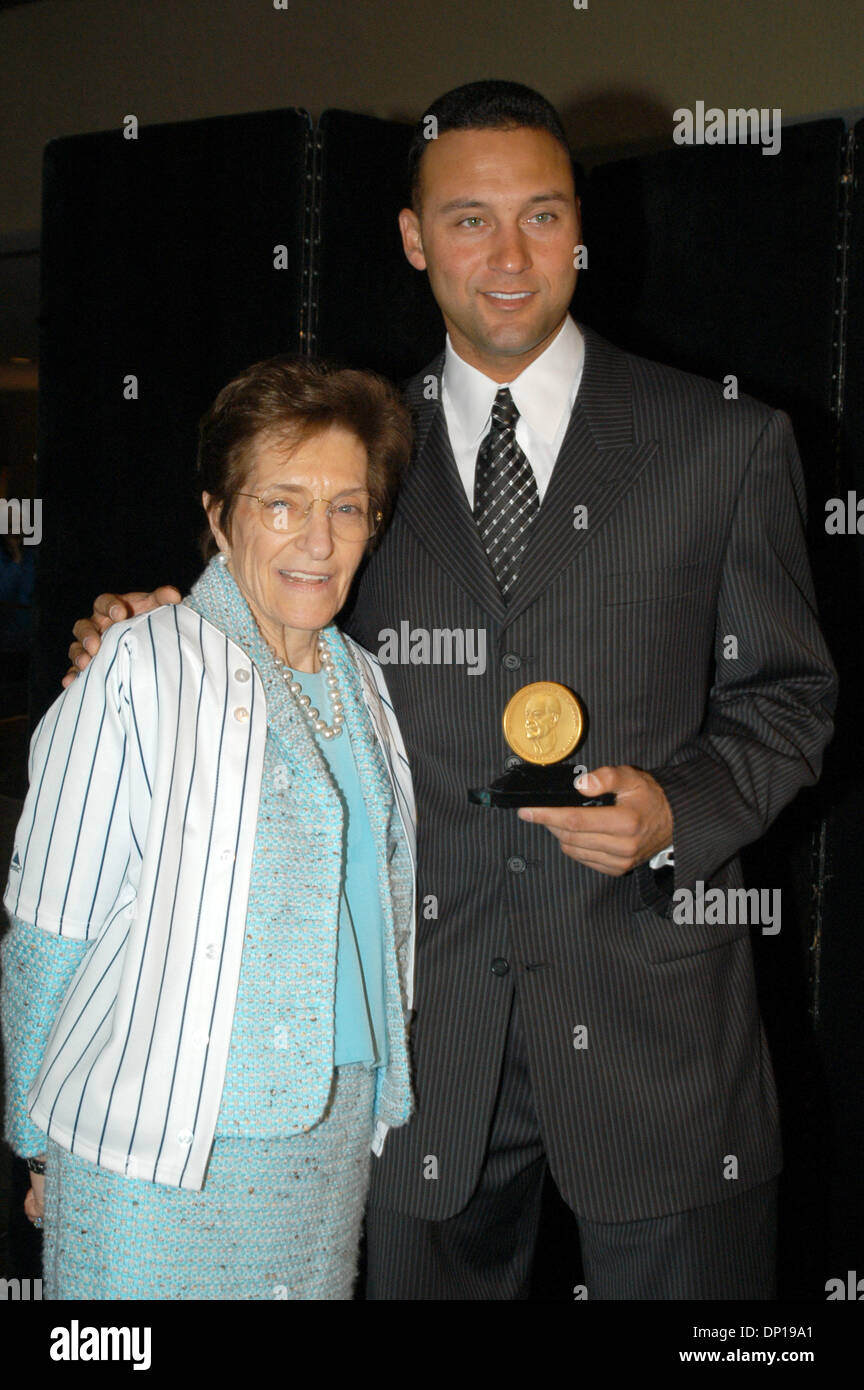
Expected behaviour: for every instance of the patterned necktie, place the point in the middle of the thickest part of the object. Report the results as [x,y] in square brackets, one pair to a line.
[505,493]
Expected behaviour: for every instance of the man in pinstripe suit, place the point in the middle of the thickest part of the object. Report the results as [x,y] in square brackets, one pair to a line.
[564,1017]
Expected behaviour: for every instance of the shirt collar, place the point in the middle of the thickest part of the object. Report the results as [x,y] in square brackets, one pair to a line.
[541,393]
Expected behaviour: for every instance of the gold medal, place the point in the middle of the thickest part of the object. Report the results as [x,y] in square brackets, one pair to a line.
[543,722]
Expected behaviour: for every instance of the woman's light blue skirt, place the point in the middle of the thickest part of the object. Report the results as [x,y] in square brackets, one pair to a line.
[276,1218]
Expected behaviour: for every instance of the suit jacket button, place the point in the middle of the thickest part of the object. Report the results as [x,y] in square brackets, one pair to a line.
[500,966]
[516,864]
[512,761]
[511,661]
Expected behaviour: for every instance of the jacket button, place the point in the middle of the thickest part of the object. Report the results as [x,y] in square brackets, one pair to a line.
[511,661]
[516,864]
[241,714]
[184,1137]
[500,966]
[241,675]
[512,761]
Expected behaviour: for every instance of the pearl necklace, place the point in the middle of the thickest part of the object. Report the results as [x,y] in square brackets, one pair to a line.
[318,724]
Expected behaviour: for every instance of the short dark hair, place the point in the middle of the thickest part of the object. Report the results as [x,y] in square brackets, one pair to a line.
[290,399]
[487,105]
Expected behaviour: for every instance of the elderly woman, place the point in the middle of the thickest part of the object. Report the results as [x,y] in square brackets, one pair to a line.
[206,980]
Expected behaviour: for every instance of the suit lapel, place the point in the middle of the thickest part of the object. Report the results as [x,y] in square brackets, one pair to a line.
[597,465]
[433,503]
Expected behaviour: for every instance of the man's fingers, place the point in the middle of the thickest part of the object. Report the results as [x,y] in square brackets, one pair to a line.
[166,593]
[80,661]
[108,609]
[88,632]
[601,779]
[611,839]
[114,606]
[583,820]
[34,1204]
[601,865]
[581,846]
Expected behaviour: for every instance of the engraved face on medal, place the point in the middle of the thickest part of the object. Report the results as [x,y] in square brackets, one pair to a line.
[543,722]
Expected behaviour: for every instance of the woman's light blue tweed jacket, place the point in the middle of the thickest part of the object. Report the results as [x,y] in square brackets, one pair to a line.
[144,852]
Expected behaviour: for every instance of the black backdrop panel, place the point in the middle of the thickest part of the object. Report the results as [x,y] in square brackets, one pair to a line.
[158,262]
[374,310]
[841,947]
[852,421]
[720,259]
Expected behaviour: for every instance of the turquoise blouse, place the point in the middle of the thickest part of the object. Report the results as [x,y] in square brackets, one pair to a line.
[361,1030]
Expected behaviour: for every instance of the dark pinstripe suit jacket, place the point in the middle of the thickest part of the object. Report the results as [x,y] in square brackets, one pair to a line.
[694,532]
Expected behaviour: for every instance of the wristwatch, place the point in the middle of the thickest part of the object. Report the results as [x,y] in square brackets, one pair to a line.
[36,1165]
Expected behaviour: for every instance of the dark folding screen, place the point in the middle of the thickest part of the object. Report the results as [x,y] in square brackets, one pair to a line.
[841,943]
[158,263]
[373,309]
[721,259]
[852,419]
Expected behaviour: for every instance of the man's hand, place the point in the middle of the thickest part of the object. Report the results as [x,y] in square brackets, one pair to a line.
[108,609]
[34,1202]
[611,839]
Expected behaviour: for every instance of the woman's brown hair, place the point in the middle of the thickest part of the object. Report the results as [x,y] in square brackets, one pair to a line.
[289,399]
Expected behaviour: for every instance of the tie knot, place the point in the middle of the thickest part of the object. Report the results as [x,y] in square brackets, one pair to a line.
[504,412]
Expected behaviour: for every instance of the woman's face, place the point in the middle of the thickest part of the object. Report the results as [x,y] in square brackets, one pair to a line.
[295,584]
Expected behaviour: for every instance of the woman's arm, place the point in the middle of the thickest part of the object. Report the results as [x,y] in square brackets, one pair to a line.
[37,969]
[72,843]
[69,861]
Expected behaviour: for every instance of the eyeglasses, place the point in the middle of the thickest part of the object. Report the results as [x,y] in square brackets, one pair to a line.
[352,516]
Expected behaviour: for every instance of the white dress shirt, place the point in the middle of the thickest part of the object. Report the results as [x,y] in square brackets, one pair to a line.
[544,395]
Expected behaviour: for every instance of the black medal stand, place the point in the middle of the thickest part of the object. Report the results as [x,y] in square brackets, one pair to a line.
[535,785]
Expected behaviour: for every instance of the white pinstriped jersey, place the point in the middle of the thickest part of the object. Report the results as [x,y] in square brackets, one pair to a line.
[133,1072]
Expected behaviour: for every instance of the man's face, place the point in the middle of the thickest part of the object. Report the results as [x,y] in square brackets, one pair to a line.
[496,231]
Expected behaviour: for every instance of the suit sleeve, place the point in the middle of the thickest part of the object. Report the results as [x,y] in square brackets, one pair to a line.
[770,708]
